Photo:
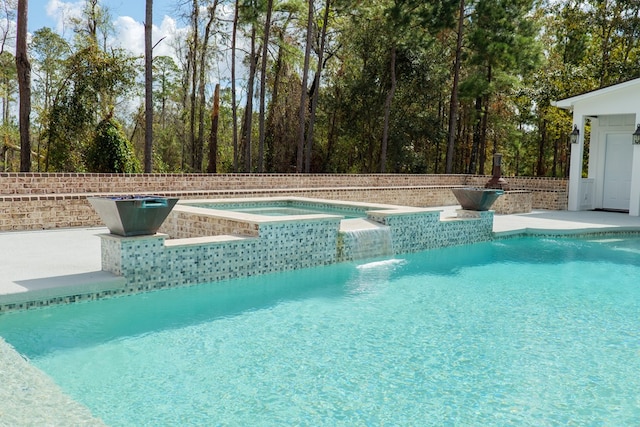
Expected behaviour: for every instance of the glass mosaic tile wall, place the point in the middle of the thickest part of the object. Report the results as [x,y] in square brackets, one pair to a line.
[154,262]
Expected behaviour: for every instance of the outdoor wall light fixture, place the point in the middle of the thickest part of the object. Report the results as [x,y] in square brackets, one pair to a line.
[573,136]
[636,135]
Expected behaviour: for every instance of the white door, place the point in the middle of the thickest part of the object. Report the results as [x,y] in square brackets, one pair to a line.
[617,172]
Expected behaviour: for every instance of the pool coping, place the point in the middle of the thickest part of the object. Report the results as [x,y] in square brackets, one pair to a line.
[538,232]
[377,208]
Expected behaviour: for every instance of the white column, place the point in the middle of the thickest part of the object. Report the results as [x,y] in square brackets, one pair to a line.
[634,197]
[575,168]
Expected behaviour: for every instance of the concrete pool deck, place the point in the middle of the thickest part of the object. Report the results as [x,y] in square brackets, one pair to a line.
[37,263]
[44,261]
[564,222]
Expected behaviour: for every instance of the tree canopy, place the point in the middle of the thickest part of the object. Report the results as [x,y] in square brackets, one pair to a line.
[332,86]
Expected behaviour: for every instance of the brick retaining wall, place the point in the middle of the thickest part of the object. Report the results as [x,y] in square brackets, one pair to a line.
[31,201]
[65,183]
[74,183]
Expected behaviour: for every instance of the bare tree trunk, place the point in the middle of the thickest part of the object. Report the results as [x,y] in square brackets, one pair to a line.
[274,101]
[234,106]
[201,86]
[460,150]
[482,156]
[316,87]
[213,138]
[303,94]
[387,111]
[5,102]
[453,104]
[24,84]
[163,105]
[483,129]
[332,136]
[556,146]
[148,87]
[195,17]
[308,145]
[9,14]
[263,79]
[92,20]
[185,105]
[248,112]
[541,145]
[475,145]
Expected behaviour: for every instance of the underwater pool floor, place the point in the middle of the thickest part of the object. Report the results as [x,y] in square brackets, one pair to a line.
[524,331]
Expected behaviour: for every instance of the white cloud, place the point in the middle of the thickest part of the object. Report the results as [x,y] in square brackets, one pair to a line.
[129,35]
[61,12]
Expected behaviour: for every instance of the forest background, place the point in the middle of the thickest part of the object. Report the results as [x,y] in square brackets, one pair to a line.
[321,86]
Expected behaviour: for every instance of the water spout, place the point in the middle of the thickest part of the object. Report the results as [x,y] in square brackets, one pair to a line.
[365,243]
[476,199]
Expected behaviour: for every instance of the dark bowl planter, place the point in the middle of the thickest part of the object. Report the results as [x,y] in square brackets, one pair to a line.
[133,215]
[476,199]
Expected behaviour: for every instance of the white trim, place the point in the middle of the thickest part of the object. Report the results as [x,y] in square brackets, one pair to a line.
[575,168]
[634,199]
[569,103]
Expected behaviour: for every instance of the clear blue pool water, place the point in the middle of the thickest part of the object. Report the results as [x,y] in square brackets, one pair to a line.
[520,332]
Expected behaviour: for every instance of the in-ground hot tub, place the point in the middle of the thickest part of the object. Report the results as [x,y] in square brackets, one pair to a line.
[280,207]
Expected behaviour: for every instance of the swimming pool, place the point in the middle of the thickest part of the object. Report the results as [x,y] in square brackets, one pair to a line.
[520,331]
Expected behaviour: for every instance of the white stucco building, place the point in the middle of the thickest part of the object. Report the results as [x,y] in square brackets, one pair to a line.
[613,176]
